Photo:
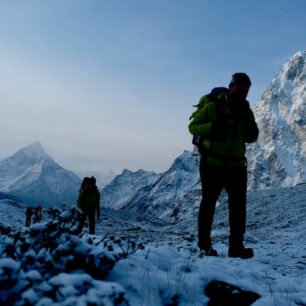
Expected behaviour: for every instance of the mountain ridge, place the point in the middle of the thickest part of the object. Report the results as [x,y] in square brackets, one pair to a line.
[278,159]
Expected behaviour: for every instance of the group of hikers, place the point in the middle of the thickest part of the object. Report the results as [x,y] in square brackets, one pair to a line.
[222,124]
[88,201]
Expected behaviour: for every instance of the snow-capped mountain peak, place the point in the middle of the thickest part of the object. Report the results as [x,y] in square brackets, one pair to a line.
[183,162]
[35,149]
[32,175]
[279,157]
[30,154]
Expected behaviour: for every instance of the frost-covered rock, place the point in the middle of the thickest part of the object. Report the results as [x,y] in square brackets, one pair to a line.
[221,293]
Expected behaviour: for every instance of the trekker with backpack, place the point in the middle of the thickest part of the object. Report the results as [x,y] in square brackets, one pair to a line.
[222,124]
[89,203]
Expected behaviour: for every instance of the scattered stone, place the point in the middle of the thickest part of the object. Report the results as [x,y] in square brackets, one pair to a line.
[224,294]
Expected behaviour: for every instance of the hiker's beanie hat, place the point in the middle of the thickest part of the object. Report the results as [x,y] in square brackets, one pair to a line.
[240,77]
[93,180]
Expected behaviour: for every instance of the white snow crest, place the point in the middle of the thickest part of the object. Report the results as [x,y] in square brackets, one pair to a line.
[281,117]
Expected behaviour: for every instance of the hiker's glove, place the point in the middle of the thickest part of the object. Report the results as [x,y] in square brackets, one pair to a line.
[220,128]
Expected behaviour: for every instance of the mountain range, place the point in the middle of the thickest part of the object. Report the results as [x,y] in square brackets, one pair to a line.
[277,159]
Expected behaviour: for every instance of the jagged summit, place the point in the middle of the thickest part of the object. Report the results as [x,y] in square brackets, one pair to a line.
[184,161]
[290,79]
[124,186]
[35,147]
[29,154]
[279,156]
[126,172]
[139,172]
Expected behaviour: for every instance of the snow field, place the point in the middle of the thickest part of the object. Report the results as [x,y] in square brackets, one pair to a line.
[47,263]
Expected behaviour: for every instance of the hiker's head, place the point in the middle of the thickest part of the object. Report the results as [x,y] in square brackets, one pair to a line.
[92,181]
[85,182]
[240,85]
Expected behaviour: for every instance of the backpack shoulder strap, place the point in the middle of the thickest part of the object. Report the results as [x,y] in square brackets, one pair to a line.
[220,99]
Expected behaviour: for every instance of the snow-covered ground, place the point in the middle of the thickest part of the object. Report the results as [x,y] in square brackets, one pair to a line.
[169,270]
[12,213]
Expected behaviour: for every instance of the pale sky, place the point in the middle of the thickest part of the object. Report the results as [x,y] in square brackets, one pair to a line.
[111,84]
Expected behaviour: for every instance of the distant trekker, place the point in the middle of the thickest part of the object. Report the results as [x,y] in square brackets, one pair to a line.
[89,203]
[37,213]
[64,206]
[223,125]
[29,214]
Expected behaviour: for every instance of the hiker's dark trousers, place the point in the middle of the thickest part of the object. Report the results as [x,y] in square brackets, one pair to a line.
[92,224]
[214,179]
[28,221]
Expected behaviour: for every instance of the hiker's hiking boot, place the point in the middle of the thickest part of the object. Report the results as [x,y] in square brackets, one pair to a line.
[240,251]
[208,251]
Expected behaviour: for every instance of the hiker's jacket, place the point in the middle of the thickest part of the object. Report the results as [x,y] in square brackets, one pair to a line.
[225,148]
[89,200]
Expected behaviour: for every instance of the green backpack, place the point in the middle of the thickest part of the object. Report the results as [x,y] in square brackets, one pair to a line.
[197,141]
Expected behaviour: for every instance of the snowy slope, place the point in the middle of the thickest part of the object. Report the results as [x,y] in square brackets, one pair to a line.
[159,198]
[174,196]
[123,188]
[12,213]
[169,270]
[279,156]
[33,176]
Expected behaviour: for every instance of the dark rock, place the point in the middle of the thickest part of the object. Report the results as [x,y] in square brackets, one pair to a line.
[224,294]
